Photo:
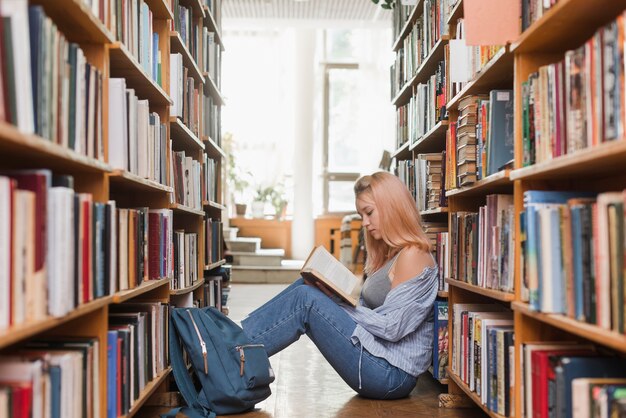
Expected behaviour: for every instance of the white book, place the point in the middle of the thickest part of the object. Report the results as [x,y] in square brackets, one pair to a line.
[118,133]
[23,253]
[61,250]
[322,266]
[80,101]
[176,84]
[132,130]
[143,124]
[17,10]
[6,228]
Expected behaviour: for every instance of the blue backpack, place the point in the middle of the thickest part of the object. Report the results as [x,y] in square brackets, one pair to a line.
[234,374]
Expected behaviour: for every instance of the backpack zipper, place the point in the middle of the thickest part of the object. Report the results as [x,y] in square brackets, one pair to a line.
[242,355]
[202,344]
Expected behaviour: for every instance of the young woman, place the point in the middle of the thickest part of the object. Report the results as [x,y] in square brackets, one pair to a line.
[380,347]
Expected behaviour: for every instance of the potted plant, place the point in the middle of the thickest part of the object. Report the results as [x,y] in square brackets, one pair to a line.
[237,178]
[261,197]
[279,201]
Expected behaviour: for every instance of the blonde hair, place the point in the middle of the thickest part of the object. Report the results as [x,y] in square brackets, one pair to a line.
[400,223]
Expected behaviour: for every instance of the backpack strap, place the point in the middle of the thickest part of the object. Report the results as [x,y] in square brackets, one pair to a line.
[183,380]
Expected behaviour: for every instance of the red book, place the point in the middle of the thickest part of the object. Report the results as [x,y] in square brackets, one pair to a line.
[22,400]
[541,371]
[86,247]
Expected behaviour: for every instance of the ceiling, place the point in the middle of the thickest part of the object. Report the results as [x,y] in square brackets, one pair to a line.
[299,11]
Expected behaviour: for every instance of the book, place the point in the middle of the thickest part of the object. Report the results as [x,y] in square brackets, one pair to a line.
[322,267]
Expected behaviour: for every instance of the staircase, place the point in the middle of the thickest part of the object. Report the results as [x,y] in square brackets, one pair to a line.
[253,264]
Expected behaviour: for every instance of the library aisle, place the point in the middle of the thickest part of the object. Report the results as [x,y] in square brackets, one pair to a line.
[320,392]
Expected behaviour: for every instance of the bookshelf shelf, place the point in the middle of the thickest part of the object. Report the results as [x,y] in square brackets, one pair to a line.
[214,205]
[490,293]
[436,211]
[185,210]
[195,5]
[212,149]
[177,46]
[76,21]
[599,161]
[160,9]
[590,332]
[403,152]
[123,64]
[442,294]
[214,265]
[21,332]
[182,136]
[145,287]
[498,73]
[39,152]
[128,181]
[148,391]
[433,140]
[211,89]
[423,72]
[495,183]
[567,25]
[188,289]
[457,12]
[209,22]
[472,395]
[408,25]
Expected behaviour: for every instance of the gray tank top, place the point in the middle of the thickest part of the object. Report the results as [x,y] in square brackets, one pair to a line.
[378,285]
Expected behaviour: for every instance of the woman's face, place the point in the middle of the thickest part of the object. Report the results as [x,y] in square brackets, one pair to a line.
[366,207]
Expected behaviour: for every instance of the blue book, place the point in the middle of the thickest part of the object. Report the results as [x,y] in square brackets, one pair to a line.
[55,391]
[98,249]
[440,349]
[567,369]
[112,374]
[500,134]
[155,58]
[577,261]
[556,265]
[532,199]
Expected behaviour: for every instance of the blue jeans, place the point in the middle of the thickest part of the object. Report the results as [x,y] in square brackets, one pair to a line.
[302,309]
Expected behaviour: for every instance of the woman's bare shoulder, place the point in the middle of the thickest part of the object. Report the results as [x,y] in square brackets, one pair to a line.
[411,262]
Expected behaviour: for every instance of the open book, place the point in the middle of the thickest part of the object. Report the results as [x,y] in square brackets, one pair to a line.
[322,266]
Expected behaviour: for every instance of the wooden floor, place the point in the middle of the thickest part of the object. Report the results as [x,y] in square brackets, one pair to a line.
[307,386]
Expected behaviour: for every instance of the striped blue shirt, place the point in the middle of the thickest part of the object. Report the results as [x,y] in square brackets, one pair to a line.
[401,329]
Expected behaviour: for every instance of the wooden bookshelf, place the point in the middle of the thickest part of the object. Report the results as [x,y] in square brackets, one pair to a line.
[160,9]
[210,89]
[408,25]
[214,265]
[497,73]
[147,391]
[76,20]
[457,13]
[433,140]
[472,395]
[39,152]
[185,210]
[587,331]
[435,211]
[184,137]
[213,205]
[566,25]
[21,332]
[496,183]
[124,65]
[442,294]
[177,46]
[145,287]
[195,6]
[209,22]
[212,149]
[490,293]
[425,70]
[596,162]
[403,152]
[188,289]
[122,179]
